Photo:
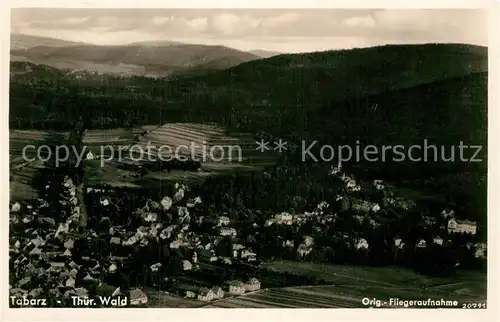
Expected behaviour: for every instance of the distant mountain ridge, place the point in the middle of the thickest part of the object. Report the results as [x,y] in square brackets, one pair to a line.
[265,53]
[22,41]
[149,58]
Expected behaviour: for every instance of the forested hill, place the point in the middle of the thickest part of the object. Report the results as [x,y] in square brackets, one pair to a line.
[398,94]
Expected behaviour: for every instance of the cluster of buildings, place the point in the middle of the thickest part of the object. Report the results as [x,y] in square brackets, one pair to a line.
[42,248]
[234,288]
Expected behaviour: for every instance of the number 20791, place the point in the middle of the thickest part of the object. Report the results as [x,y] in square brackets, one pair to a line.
[473,305]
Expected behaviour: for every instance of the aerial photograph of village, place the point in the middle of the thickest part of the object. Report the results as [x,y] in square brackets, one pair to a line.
[256,158]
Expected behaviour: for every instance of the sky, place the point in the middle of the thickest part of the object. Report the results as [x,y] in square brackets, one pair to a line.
[282,30]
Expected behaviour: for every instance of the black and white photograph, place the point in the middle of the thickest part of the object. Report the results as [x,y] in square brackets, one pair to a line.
[248,158]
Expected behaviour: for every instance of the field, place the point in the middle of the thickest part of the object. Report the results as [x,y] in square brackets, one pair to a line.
[348,285]
[328,296]
[463,284]
[236,153]
[162,300]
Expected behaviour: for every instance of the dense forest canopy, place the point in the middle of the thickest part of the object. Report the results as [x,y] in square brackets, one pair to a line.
[386,95]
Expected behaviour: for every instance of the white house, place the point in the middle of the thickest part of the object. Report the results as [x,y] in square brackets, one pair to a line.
[438,240]
[379,184]
[399,243]
[462,226]
[115,240]
[303,250]
[248,255]
[480,250]
[190,295]
[283,218]
[308,241]
[252,285]
[447,213]
[361,244]
[224,220]
[421,243]
[289,244]
[186,265]
[336,170]
[376,208]
[352,186]
[205,294]
[137,297]
[15,207]
[236,287]
[217,292]
[226,231]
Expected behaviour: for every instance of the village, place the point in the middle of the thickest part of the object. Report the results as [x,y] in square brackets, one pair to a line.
[182,247]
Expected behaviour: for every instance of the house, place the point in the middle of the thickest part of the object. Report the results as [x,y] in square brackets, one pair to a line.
[166,203]
[225,231]
[480,250]
[226,261]
[379,184]
[115,241]
[252,285]
[15,207]
[190,295]
[186,265]
[217,292]
[438,240]
[352,186]
[361,244]
[176,244]
[236,287]
[308,241]
[399,243]
[283,218]
[238,247]
[69,244]
[303,250]
[461,226]
[248,255]
[155,267]
[421,243]
[205,294]
[336,170]
[224,221]
[447,214]
[137,297]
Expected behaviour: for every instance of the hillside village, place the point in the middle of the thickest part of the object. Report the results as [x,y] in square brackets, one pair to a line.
[196,234]
[178,245]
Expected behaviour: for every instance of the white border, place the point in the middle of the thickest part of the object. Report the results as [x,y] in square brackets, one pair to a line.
[491,314]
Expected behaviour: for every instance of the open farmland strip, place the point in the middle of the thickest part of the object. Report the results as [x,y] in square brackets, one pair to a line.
[264,300]
[282,296]
[197,128]
[313,298]
[321,292]
[174,133]
[243,302]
